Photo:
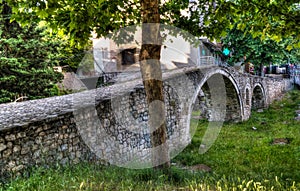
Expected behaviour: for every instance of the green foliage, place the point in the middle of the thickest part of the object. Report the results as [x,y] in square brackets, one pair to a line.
[62,53]
[79,18]
[95,177]
[258,50]
[25,61]
[276,19]
[25,67]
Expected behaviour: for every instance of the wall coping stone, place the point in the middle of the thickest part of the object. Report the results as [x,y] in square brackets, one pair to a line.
[20,114]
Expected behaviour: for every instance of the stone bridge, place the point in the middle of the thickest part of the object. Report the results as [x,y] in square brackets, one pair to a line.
[109,124]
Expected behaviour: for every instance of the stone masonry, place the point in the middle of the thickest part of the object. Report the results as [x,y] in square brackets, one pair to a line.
[109,124]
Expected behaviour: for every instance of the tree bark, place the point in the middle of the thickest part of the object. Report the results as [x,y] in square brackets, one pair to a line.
[152,79]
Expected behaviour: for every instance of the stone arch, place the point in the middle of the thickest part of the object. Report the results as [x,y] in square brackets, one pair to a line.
[258,97]
[228,108]
[234,105]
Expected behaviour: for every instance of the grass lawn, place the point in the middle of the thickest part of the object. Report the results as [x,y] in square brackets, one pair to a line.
[242,158]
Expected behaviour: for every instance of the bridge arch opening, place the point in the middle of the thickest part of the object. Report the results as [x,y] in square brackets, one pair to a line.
[258,97]
[225,106]
[204,103]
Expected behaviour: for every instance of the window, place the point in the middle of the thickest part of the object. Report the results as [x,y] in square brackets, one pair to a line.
[128,56]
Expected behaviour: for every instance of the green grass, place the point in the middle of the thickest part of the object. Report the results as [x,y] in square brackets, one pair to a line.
[241,159]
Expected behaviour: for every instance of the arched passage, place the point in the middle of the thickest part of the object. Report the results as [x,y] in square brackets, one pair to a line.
[233,102]
[218,100]
[206,103]
[258,97]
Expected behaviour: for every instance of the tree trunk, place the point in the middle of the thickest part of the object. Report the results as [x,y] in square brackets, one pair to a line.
[8,26]
[152,79]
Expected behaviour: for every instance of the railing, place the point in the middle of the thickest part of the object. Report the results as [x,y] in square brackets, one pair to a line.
[209,60]
[295,76]
[206,60]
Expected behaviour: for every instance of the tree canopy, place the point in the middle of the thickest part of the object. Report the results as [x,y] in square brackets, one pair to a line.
[274,19]
[27,57]
[79,18]
[257,50]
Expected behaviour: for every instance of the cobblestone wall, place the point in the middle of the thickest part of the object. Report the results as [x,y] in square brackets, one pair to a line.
[109,124]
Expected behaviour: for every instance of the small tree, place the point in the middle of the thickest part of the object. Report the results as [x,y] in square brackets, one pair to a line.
[25,61]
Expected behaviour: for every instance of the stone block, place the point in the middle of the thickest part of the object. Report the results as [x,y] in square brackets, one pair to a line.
[17,149]
[7,153]
[25,150]
[11,137]
[2,147]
